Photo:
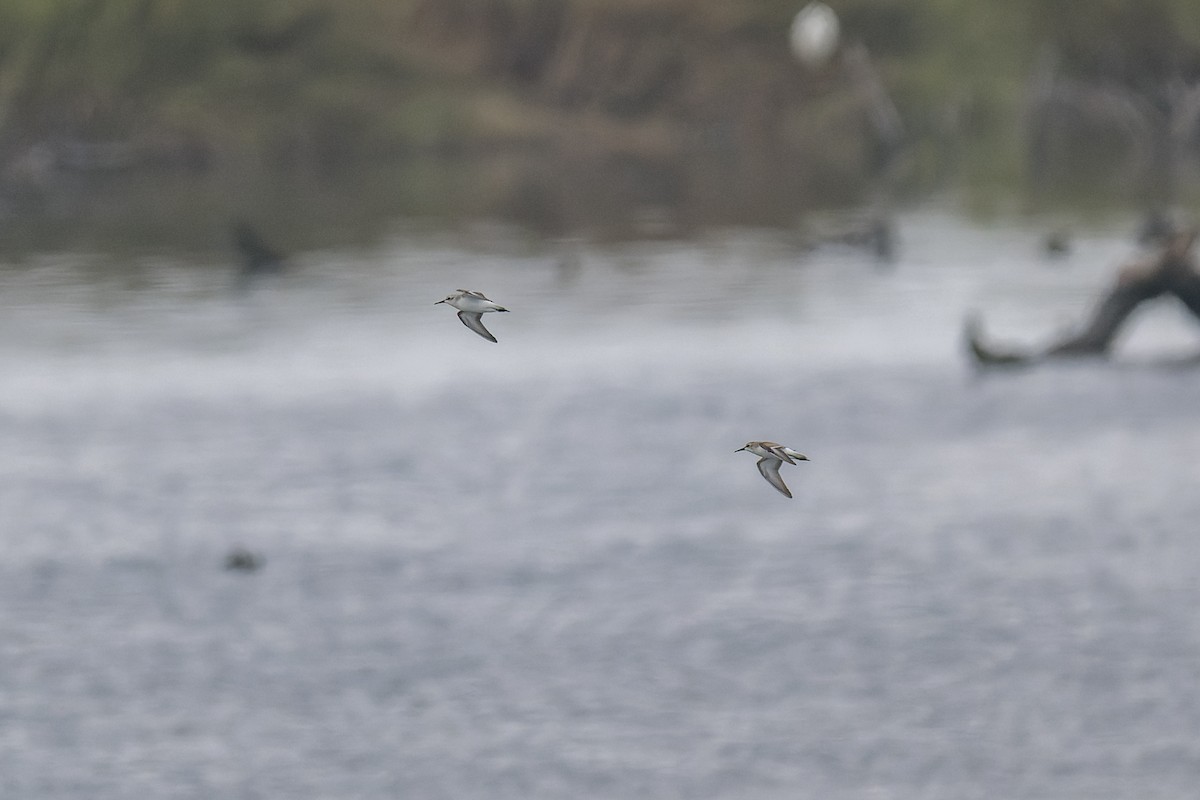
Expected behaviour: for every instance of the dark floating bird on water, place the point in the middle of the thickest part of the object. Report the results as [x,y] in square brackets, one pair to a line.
[258,257]
[239,559]
[1057,243]
[875,234]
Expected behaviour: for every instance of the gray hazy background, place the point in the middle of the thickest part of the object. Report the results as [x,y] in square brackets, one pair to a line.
[537,568]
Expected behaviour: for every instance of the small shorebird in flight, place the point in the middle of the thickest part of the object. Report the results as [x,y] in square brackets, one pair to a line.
[471,306]
[771,458]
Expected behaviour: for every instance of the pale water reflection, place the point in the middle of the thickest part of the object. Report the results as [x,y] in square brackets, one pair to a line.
[538,569]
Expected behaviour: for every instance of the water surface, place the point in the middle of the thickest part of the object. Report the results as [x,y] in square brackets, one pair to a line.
[538,569]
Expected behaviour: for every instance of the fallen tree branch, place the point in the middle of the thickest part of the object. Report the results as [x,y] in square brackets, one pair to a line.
[1169,271]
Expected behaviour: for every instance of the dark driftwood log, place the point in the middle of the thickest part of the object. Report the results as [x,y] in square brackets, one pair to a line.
[1170,271]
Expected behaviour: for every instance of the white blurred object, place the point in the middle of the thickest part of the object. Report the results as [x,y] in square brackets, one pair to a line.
[814,34]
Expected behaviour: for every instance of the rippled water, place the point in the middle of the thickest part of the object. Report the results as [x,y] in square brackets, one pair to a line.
[538,569]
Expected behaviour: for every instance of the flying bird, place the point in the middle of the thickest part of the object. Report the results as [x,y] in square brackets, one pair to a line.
[771,458]
[471,306]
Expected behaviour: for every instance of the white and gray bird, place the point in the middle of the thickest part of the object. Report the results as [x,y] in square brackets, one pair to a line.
[814,34]
[471,306]
[771,457]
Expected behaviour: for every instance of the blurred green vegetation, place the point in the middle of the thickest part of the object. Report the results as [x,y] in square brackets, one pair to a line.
[278,85]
